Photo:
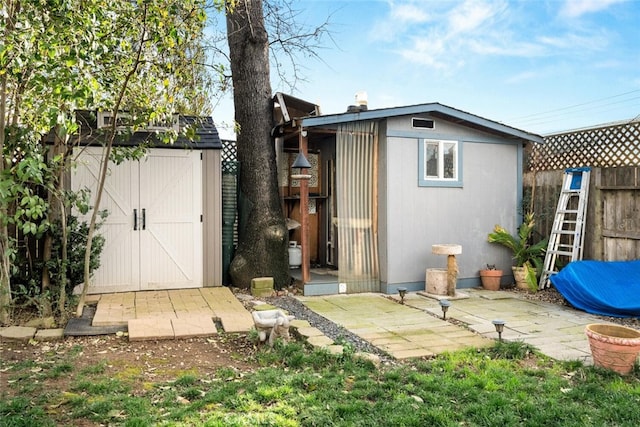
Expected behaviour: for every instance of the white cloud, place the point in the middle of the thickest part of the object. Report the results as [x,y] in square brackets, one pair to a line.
[409,13]
[507,47]
[448,34]
[577,8]
[402,17]
[473,14]
[576,42]
[457,33]
[522,77]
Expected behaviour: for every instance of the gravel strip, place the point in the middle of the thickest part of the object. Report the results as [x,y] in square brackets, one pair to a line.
[329,328]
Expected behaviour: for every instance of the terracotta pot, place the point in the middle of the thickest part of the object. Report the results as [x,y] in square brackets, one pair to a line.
[613,347]
[491,279]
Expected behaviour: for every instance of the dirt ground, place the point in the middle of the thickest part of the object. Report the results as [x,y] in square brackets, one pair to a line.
[147,361]
[156,361]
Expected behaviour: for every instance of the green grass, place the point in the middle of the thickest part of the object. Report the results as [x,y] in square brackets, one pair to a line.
[505,385]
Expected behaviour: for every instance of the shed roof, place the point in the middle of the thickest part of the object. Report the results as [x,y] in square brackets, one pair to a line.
[434,109]
[205,130]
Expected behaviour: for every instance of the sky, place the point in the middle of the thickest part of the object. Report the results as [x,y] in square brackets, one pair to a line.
[542,66]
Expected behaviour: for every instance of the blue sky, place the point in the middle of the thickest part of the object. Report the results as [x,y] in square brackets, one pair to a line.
[540,66]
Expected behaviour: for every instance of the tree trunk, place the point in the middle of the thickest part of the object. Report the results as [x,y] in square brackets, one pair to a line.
[5,265]
[262,246]
[54,215]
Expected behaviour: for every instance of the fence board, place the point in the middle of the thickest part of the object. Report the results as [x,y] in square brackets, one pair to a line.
[613,210]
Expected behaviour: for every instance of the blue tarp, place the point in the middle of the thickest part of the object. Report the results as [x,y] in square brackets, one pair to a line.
[609,288]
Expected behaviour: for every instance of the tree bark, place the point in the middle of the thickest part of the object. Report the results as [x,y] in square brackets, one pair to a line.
[5,264]
[262,246]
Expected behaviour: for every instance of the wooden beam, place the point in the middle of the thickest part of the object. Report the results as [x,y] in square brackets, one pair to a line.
[304,212]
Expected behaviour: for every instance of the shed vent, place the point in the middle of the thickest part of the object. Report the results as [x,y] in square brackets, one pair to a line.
[422,123]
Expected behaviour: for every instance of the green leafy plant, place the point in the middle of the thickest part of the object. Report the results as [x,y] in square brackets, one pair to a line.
[77,232]
[26,274]
[524,253]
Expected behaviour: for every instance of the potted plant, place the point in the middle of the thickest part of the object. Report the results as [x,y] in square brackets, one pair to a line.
[490,278]
[526,255]
[613,346]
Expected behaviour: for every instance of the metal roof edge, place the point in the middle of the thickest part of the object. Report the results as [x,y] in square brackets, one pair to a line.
[334,119]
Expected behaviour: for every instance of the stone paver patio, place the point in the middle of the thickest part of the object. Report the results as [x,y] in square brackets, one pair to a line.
[173,313]
[417,328]
[402,331]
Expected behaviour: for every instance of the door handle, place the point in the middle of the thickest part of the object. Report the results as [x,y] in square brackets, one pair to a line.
[144,219]
[135,219]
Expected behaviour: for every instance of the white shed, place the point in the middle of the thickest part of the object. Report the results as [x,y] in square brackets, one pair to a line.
[163,229]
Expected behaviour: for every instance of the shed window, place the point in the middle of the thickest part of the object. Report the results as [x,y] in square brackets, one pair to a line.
[439,163]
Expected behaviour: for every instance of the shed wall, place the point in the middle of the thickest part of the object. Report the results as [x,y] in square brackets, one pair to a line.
[212,217]
[418,217]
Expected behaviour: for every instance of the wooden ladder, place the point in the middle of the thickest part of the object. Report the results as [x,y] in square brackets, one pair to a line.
[567,233]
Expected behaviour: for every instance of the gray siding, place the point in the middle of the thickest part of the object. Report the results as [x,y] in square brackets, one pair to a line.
[416,217]
[382,203]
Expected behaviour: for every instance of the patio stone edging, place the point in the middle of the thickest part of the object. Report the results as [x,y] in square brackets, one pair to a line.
[27,333]
[313,337]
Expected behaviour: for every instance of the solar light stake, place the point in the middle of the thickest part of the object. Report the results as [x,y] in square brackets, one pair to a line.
[499,324]
[402,292]
[444,305]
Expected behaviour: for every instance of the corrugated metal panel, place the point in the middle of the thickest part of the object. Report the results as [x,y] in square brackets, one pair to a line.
[356,151]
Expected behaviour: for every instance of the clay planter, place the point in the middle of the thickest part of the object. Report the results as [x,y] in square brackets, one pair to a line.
[613,347]
[520,277]
[491,279]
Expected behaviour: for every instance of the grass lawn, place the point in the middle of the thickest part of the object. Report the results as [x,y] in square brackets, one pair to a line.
[505,385]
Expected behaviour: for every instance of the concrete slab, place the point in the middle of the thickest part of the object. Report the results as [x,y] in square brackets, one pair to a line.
[370,357]
[299,323]
[194,326]
[457,296]
[231,313]
[17,333]
[309,332]
[320,341]
[116,310]
[49,334]
[398,329]
[236,322]
[150,329]
[413,353]
[335,349]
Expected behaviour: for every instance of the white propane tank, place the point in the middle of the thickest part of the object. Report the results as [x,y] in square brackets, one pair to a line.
[295,255]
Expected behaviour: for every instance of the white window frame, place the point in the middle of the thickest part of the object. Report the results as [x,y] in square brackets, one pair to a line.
[439,181]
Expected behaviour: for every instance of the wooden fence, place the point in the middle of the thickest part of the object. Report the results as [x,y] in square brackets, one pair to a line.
[612,229]
[613,211]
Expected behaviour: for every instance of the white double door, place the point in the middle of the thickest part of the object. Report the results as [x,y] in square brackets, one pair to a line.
[153,230]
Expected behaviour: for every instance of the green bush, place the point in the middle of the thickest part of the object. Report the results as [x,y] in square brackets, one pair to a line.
[26,278]
[77,240]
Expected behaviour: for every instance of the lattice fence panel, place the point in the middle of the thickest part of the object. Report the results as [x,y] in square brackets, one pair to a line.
[229,157]
[611,146]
